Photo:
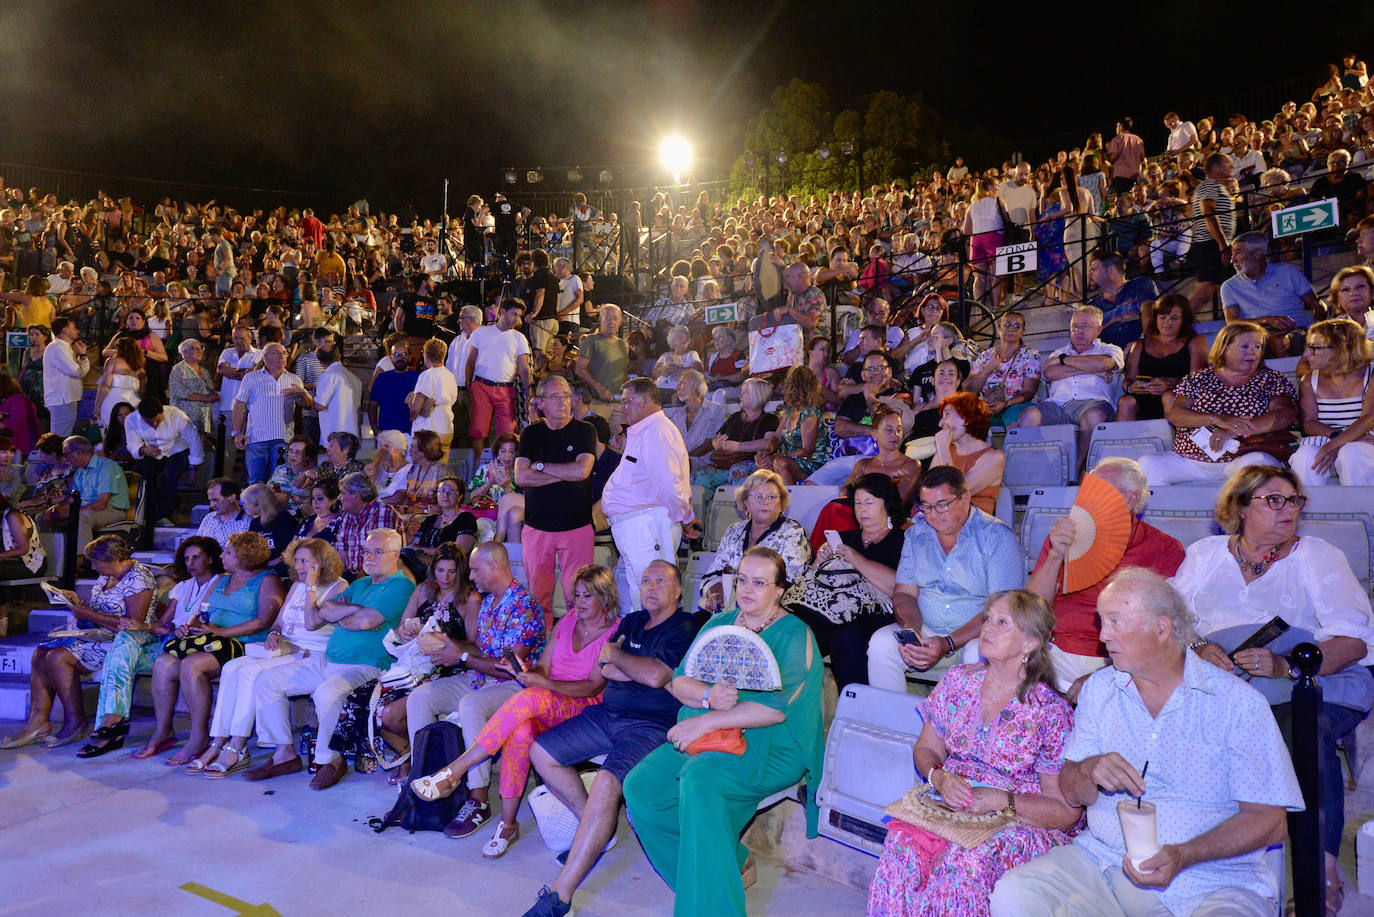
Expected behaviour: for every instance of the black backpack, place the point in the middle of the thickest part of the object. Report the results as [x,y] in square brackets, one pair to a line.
[435,746]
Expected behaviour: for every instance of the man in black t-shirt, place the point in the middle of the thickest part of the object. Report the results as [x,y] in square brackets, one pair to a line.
[504,213]
[553,467]
[633,719]
[543,301]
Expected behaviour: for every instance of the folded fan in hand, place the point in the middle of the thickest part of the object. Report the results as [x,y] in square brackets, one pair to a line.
[733,655]
[1102,529]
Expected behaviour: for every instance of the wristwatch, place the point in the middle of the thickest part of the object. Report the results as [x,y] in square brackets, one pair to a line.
[1010,807]
[1061,359]
[706,700]
[1294,673]
[463,659]
[538,466]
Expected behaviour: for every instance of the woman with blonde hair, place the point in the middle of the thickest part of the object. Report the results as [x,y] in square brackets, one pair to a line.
[565,682]
[1336,406]
[316,572]
[762,504]
[271,517]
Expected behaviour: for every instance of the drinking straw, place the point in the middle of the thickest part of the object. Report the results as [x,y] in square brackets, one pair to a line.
[1143,771]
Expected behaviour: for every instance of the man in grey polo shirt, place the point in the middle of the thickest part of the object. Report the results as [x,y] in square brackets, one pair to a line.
[1278,297]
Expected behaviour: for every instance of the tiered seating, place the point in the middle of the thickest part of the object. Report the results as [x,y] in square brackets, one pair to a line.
[1040,456]
[1129,439]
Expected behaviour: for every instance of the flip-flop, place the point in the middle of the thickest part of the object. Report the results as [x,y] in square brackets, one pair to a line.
[159,748]
[191,763]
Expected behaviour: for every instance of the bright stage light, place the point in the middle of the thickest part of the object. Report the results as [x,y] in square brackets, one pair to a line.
[676,154]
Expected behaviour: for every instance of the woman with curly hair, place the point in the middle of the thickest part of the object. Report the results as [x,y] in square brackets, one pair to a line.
[801,443]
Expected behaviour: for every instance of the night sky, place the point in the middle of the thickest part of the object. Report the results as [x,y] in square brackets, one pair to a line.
[384,99]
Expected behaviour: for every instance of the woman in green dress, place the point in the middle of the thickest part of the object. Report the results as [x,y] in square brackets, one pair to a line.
[689,810]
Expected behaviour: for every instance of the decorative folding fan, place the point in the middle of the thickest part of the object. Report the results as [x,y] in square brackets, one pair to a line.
[735,656]
[1102,524]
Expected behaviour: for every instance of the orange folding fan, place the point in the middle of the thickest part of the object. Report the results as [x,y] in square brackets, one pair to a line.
[1102,525]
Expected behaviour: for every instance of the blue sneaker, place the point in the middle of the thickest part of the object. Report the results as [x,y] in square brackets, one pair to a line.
[548,905]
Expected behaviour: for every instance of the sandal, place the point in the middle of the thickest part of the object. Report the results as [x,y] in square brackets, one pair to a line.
[437,785]
[1335,897]
[217,769]
[57,741]
[27,737]
[196,763]
[500,843]
[109,738]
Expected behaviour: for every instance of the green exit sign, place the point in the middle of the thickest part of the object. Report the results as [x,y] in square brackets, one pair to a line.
[722,315]
[1309,217]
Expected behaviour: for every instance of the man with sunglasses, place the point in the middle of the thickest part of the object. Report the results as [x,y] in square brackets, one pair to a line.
[953,557]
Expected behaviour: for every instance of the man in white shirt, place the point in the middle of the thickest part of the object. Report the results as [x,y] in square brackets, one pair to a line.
[431,404]
[570,296]
[1182,134]
[234,363]
[61,282]
[469,320]
[264,413]
[497,354]
[64,366]
[1019,196]
[168,448]
[433,263]
[338,395]
[1080,377]
[647,499]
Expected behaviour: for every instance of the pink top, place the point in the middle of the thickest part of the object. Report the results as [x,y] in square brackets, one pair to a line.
[564,663]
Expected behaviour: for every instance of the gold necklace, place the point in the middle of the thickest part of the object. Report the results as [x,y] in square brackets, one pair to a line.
[762,627]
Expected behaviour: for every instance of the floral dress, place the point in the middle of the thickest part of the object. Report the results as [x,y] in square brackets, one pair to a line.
[485,506]
[1049,233]
[108,598]
[791,439]
[1026,740]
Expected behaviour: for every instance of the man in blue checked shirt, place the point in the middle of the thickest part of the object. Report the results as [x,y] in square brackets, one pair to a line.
[952,560]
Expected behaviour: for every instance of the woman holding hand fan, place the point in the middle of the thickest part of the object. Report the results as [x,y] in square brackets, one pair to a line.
[734,744]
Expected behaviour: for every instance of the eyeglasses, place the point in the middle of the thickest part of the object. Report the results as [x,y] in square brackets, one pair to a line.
[874,370]
[1276,502]
[373,552]
[563,397]
[1319,347]
[448,491]
[742,581]
[940,507]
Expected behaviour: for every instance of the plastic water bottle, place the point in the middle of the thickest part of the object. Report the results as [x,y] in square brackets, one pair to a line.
[307,747]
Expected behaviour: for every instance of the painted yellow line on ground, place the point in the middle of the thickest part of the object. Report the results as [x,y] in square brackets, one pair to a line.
[234,904]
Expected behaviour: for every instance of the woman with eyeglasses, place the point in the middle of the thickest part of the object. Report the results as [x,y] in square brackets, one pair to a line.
[1236,582]
[762,502]
[688,809]
[1336,404]
[1006,375]
[450,523]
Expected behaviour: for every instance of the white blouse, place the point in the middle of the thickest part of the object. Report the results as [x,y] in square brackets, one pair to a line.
[1313,588]
[291,619]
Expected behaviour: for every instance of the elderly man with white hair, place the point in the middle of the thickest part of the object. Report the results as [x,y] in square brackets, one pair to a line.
[469,320]
[390,467]
[61,281]
[1219,777]
[264,413]
[1077,648]
[363,613]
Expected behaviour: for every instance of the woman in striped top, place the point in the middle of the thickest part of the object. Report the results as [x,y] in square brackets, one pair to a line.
[1337,404]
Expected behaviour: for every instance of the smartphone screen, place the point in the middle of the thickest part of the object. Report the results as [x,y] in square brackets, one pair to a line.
[908,637]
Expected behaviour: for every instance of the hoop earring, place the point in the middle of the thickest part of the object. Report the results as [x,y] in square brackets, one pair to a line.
[889,523]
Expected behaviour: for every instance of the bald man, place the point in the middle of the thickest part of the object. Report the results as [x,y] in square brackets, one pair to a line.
[509,620]
[264,413]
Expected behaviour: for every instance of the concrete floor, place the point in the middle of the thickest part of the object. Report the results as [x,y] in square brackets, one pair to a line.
[115,836]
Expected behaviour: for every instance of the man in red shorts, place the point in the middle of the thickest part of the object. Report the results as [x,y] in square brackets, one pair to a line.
[497,354]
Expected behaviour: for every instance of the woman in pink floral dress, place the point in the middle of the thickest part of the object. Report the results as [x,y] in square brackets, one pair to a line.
[993,741]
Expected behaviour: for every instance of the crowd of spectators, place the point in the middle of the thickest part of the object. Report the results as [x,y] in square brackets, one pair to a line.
[380,583]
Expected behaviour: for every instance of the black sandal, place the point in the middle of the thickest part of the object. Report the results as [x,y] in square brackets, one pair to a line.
[111,738]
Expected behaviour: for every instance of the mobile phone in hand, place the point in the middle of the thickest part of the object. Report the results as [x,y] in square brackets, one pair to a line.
[512,660]
[908,637]
[832,538]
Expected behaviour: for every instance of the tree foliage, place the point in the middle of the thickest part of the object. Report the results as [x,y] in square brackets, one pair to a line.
[795,146]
